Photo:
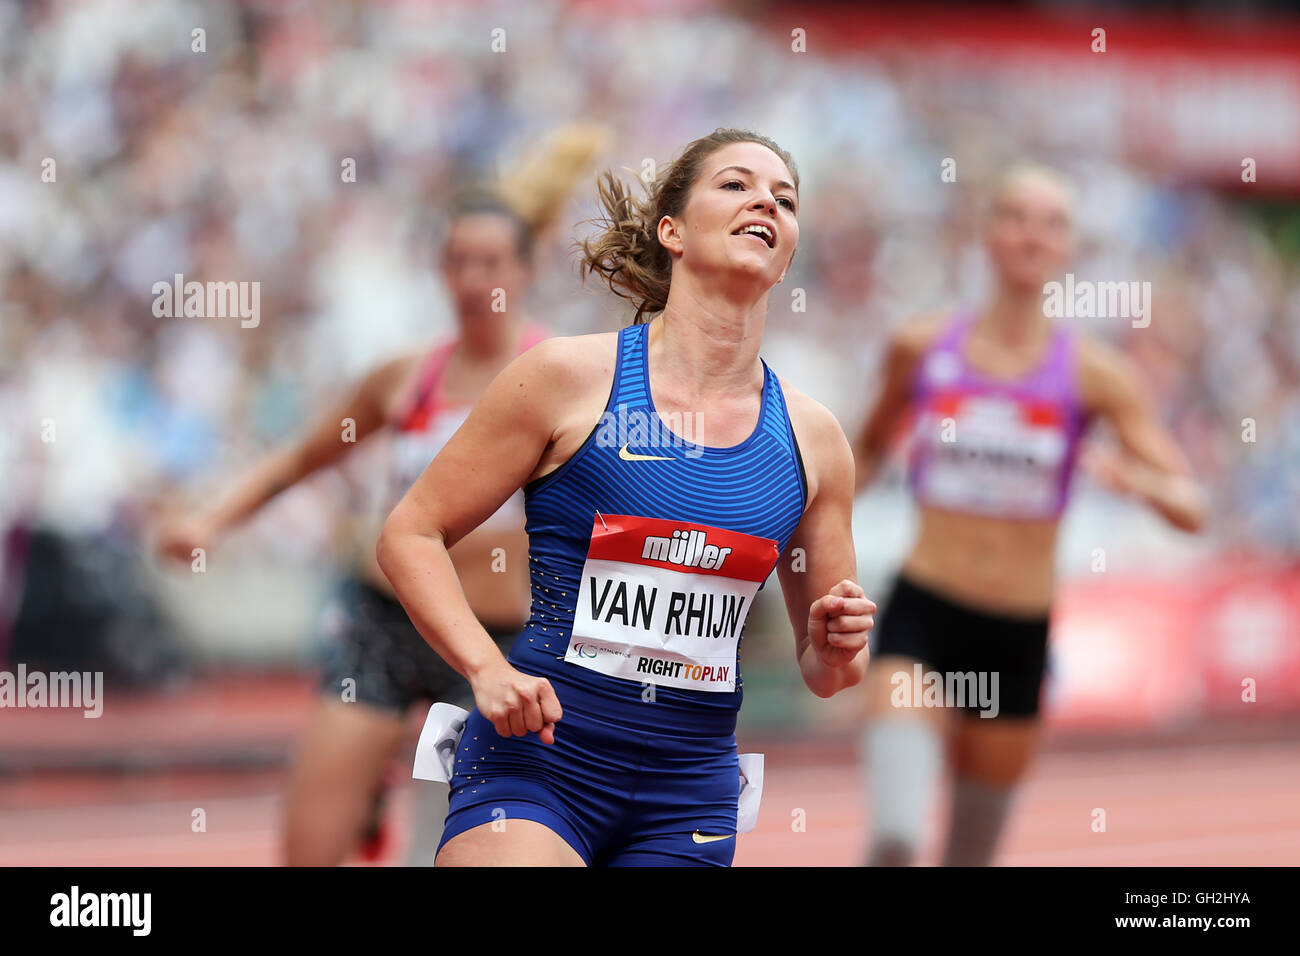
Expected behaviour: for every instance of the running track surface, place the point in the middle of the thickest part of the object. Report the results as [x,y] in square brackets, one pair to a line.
[95,793]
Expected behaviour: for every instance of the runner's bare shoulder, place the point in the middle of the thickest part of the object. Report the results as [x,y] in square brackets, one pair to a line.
[1103,371]
[809,416]
[574,363]
[822,442]
[393,383]
[562,383]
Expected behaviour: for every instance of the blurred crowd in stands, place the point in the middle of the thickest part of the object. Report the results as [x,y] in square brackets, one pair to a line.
[220,155]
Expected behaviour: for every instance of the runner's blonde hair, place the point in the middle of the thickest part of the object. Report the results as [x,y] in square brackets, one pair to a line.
[534,190]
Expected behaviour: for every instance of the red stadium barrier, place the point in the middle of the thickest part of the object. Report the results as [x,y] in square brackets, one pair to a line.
[1133,652]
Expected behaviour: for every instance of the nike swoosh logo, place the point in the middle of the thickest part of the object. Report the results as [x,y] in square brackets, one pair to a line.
[633,456]
[699,837]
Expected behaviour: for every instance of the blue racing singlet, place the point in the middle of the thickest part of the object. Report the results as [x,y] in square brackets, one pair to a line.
[646,550]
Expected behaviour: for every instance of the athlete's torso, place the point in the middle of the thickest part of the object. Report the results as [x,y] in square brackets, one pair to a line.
[990,467]
[994,447]
[646,551]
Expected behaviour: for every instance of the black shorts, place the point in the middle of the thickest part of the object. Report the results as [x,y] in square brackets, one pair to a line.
[392,665]
[985,663]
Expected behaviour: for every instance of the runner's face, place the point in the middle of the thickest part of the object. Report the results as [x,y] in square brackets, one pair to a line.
[1029,235]
[482,255]
[740,184]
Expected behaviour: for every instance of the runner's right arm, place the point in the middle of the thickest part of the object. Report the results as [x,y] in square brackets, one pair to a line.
[488,458]
[324,444]
[906,346]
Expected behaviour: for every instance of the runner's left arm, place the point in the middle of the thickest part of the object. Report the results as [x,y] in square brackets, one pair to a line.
[830,613]
[1151,465]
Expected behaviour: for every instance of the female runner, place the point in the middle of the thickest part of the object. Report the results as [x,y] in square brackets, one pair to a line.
[607,736]
[1001,397]
[380,666]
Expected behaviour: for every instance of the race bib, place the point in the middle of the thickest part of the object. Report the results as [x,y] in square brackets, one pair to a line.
[665,601]
[992,454]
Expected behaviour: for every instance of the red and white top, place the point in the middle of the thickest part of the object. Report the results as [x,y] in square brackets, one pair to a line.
[425,421]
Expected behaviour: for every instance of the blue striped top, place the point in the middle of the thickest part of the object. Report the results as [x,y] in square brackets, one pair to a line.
[757,487]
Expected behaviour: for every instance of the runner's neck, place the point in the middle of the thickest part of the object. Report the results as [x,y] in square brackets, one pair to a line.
[1014,320]
[709,359]
[491,345]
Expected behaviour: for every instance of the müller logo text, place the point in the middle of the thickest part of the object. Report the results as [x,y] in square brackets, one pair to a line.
[687,548]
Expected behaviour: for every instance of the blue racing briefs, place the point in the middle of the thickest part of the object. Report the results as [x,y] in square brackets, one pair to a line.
[616,793]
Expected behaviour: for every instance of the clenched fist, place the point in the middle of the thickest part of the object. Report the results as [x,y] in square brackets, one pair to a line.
[516,703]
[839,622]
